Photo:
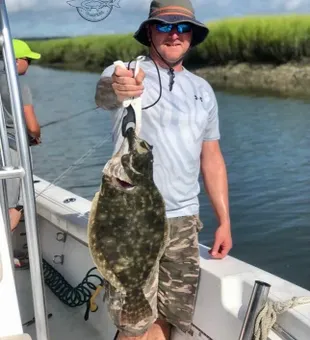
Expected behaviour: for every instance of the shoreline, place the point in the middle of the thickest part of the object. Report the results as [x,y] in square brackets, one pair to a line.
[287,80]
[254,53]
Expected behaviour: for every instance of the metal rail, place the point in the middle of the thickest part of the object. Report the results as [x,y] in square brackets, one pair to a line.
[257,301]
[25,173]
[282,333]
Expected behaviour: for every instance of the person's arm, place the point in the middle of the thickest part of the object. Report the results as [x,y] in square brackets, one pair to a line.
[32,124]
[117,84]
[214,175]
[105,96]
[33,127]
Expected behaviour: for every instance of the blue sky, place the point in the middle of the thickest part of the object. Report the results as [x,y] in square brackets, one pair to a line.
[57,18]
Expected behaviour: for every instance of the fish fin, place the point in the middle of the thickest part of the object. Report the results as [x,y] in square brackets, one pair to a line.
[102,266]
[135,308]
[166,239]
[166,234]
[93,207]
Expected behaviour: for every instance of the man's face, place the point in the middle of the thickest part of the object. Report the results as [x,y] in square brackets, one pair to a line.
[169,42]
[22,66]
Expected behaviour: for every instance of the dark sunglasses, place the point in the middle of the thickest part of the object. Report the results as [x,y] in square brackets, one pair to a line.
[167,28]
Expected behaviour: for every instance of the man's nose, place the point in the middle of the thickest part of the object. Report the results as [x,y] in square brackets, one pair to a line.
[174,34]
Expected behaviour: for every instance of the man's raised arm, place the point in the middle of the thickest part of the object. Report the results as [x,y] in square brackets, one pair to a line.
[117,84]
[105,96]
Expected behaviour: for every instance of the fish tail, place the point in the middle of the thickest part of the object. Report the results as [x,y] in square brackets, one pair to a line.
[135,308]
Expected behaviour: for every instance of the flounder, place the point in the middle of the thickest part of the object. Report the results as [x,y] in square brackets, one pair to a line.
[127,228]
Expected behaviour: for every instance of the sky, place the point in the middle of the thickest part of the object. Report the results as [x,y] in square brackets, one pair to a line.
[50,18]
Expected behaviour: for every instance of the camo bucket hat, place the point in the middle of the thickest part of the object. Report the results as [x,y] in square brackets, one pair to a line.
[172,12]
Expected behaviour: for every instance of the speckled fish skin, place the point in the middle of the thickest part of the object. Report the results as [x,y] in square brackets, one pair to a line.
[128,229]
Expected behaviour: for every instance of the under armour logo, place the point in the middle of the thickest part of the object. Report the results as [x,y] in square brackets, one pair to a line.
[197,98]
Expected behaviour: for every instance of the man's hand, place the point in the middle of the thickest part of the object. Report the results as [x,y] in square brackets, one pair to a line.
[34,140]
[125,85]
[222,242]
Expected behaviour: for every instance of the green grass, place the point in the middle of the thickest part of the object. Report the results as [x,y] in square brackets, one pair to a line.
[255,39]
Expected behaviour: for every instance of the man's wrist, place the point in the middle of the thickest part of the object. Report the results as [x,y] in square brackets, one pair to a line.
[225,223]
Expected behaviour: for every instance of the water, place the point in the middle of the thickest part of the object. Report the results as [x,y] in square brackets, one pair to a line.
[266,145]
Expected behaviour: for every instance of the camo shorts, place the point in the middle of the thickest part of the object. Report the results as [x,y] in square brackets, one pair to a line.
[172,294]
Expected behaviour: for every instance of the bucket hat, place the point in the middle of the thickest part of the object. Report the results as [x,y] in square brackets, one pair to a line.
[172,12]
[22,50]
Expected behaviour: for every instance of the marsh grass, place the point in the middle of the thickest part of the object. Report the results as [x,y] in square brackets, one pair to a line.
[253,39]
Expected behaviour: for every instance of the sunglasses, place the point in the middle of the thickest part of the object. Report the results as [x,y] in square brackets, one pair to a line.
[167,28]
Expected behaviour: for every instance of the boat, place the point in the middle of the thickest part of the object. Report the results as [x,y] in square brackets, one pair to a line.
[61,295]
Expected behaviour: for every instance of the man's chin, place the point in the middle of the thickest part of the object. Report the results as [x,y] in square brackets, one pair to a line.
[172,56]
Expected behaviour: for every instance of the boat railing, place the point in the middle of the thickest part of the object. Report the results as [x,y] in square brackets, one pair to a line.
[24,172]
[257,303]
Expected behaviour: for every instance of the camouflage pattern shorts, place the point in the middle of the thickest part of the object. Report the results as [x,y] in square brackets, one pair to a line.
[172,293]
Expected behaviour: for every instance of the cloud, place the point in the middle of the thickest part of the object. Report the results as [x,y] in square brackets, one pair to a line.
[142,5]
[20,5]
[59,17]
[291,5]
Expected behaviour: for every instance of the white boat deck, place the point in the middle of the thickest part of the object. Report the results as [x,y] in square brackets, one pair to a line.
[66,323]
[224,291]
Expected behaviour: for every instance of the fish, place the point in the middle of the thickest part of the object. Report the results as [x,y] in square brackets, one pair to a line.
[127,228]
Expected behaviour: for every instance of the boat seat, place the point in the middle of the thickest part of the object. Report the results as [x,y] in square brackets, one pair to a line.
[16,337]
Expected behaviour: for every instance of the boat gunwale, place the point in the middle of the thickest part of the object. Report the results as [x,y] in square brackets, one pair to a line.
[232,273]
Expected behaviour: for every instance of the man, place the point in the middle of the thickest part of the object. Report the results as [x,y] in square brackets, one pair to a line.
[183,128]
[23,55]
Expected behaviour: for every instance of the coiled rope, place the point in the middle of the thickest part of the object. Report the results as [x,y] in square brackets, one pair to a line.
[268,315]
[73,296]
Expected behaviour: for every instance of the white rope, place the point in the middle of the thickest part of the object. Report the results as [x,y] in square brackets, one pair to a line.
[268,315]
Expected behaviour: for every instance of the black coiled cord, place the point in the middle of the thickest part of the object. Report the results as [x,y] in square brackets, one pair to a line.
[71,296]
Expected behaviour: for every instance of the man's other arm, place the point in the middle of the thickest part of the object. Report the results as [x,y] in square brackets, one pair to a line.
[214,174]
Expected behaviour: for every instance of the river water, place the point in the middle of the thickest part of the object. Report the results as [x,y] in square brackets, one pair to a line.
[265,142]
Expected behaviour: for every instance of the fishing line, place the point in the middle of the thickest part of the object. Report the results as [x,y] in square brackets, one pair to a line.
[68,118]
[92,149]
[74,164]
[77,162]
